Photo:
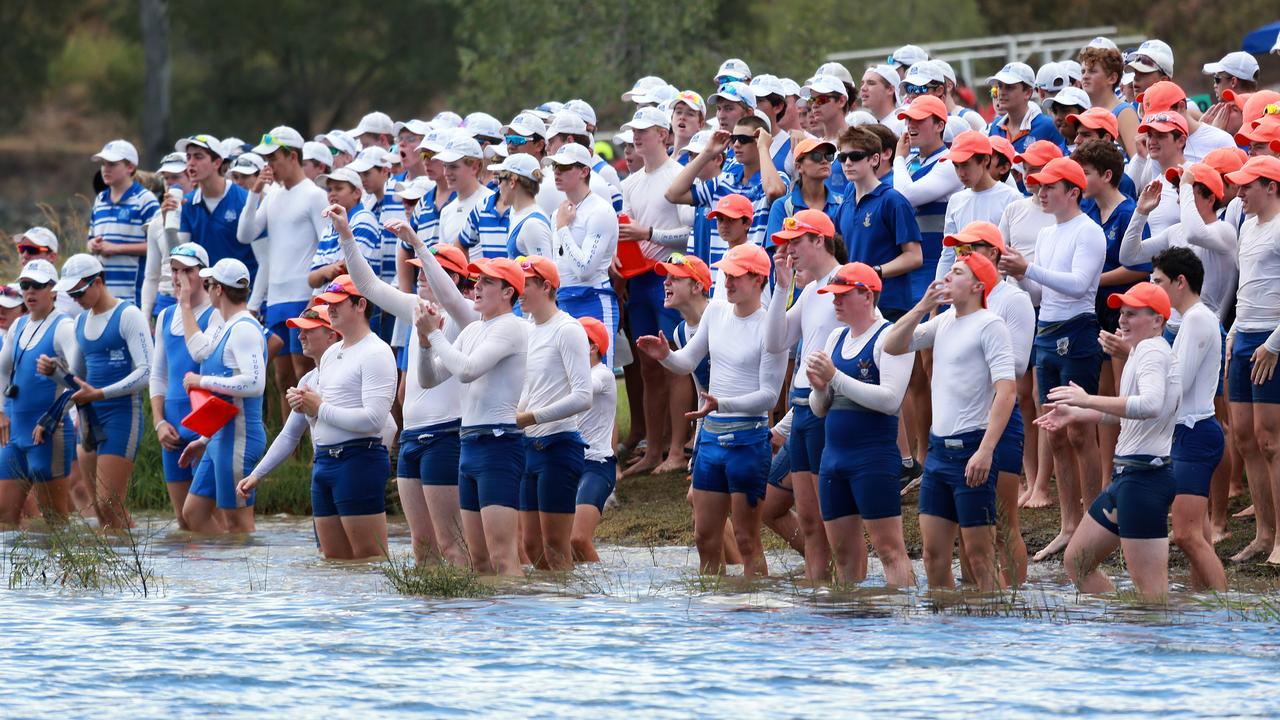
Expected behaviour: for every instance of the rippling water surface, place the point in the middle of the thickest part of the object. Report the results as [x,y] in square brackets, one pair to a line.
[268,628]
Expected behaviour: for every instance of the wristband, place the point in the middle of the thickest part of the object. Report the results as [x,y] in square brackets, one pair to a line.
[158,424]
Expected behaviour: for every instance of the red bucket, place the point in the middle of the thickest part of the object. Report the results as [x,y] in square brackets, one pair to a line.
[208,413]
[631,261]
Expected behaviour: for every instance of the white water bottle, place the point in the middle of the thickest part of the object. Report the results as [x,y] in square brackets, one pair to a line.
[173,219]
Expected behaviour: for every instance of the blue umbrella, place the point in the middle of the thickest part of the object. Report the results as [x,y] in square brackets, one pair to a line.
[1260,41]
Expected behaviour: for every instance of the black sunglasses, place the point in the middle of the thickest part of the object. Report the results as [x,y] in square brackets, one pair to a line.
[852,156]
[742,139]
[32,285]
[89,281]
[819,156]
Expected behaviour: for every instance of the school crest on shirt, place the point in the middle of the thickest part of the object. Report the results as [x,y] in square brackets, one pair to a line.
[1111,234]
[123,214]
[864,369]
[866,220]
[229,215]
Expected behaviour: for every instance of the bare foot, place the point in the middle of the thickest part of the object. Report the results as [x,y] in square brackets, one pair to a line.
[1219,535]
[1252,550]
[1247,512]
[1038,500]
[642,466]
[1054,547]
[1274,558]
[673,463]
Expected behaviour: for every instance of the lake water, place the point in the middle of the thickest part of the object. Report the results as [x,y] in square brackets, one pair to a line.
[268,628]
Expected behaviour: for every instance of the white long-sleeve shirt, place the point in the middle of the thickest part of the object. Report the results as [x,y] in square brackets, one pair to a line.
[549,196]
[1020,224]
[488,358]
[596,425]
[357,385]
[895,374]
[970,355]
[557,383]
[454,214]
[643,198]
[1258,296]
[64,344]
[939,183]
[159,384]
[136,332]
[1152,387]
[1198,351]
[968,206]
[1068,266]
[245,354]
[810,321]
[156,276]
[584,249]
[1012,305]
[745,378]
[293,223]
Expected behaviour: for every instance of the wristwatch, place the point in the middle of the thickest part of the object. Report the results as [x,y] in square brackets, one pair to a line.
[879,271]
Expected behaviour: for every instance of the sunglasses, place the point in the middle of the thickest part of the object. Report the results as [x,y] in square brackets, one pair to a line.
[184,252]
[969,248]
[9,292]
[1219,79]
[518,140]
[678,259]
[32,249]
[79,292]
[910,89]
[817,100]
[269,139]
[30,285]
[742,139]
[426,154]
[852,156]
[793,224]
[819,156]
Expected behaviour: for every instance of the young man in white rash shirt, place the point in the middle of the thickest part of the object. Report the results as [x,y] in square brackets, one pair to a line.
[292,219]
[488,358]
[557,387]
[1132,512]
[599,474]
[1198,440]
[732,462]
[973,397]
[810,235]
[982,199]
[1068,267]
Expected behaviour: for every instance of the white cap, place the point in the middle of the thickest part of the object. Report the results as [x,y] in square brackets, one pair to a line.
[953,127]
[522,164]
[42,271]
[482,124]
[1073,69]
[582,109]
[76,269]
[698,143]
[887,73]
[414,189]
[414,125]
[527,125]
[175,163]
[435,139]
[208,142]
[738,92]
[282,136]
[1071,95]
[624,137]
[189,254]
[1051,77]
[767,85]
[657,95]
[228,271]
[790,88]
[369,158]
[340,141]
[923,73]
[945,68]
[346,174]
[860,117]
[1152,56]
[319,152]
[768,121]
[547,109]
[378,123]
[567,123]
[41,236]
[447,119]
[1014,73]
[12,299]
[823,85]
[1105,43]
[908,55]
[118,150]
[497,150]
[1126,78]
[647,117]
[233,147]
[733,69]
[572,154]
[642,86]
[248,164]
[460,145]
[836,70]
[1237,64]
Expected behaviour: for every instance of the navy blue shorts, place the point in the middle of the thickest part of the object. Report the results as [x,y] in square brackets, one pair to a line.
[1135,505]
[553,466]
[1240,387]
[944,492]
[489,469]
[733,462]
[169,458]
[599,478]
[808,437]
[350,479]
[1068,352]
[22,459]
[780,467]
[1008,455]
[646,314]
[275,317]
[119,427]
[1196,453]
[430,454]
[873,492]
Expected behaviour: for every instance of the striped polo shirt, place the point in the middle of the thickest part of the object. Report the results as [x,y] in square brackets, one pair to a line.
[706,193]
[487,229]
[384,211]
[120,223]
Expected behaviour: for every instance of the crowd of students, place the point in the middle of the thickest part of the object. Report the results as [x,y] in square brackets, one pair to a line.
[820,295]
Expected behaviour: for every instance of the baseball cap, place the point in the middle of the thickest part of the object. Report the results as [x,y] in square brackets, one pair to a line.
[1073,69]
[208,142]
[1061,168]
[572,154]
[692,100]
[697,143]
[545,110]
[790,88]
[378,123]
[597,334]
[657,95]
[567,123]
[40,236]
[1265,130]
[313,317]
[809,144]
[282,136]
[804,223]
[118,150]
[248,164]
[509,271]
[76,269]
[823,85]
[450,257]
[1202,174]
[1097,119]
[642,85]
[924,106]
[541,267]
[1051,76]
[1161,96]
[733,69]
[522,164]
[1259,166]
[624,137]
[970,143]
[434,141]
[745,258]
[312,150]
[526,124]
[907,55]
[647,117]
[738,92]
[765,85]
[1039,153]
[231,272]
[582,109]
[447,120]
[1226,159]
[413,189]
[42,271]
[175,163]
[460,145]
[1236,64]
[1256,104]
[984,271]
[851,276]
[11,296]
[1143,295]
[1002,146]
[189,254]
[1014,73]
[1105,43]
[835,70]
[482,124]
[922,73]
[686,266]
[978,231]
[1152,56]
[340,141]
[733,207]
[340,289]
[886,73]
[414,125]
[347,174]
[369,158]
[1166,121]
[1071,96]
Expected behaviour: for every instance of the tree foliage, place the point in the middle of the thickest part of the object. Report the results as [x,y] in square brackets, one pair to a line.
[34,35]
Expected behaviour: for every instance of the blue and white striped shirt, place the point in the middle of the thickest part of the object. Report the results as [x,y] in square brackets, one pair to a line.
[486,230]
[121,223]
[384,211]
[364,228]
[426,217]
[706,193]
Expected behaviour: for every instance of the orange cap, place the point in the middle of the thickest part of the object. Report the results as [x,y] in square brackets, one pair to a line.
[1266,129]
[1059,169]
[924,106]
[449,256]
[503,269]
[539,267]
[1253,105]
[808,145]
[978,231]
[597,334]
[745,258]
[1225,160]
[686,266]
[1004,147]
[1161,97]
[1163,121]
[1260,166]
[1202,174]
[803,223]
[1143,295]
[851,276]
[1039,153]
[984,271]
[734,207]
[1097,119]
[340,289]
[970,143]
[313,317]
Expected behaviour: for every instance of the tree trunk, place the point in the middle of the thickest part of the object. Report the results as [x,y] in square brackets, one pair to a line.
[155,102]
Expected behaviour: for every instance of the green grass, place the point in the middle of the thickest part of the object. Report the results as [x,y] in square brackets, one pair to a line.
[436,579]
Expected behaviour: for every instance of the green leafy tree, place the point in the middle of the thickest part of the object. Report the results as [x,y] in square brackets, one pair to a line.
[34,35]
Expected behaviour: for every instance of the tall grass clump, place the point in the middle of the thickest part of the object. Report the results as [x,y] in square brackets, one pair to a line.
[74,556]
[435,579]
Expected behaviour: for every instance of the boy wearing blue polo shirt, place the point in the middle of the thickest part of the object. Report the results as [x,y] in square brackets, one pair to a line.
[117,223]
[211,212]
[1023,122]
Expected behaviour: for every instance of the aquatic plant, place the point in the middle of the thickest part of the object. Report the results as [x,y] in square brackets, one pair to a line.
[1251,608]
[435,579]
[75,556]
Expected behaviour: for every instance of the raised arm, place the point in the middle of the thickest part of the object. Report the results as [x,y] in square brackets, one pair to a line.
[1086,267]
[382,294]
[500,342]
[1219,237]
